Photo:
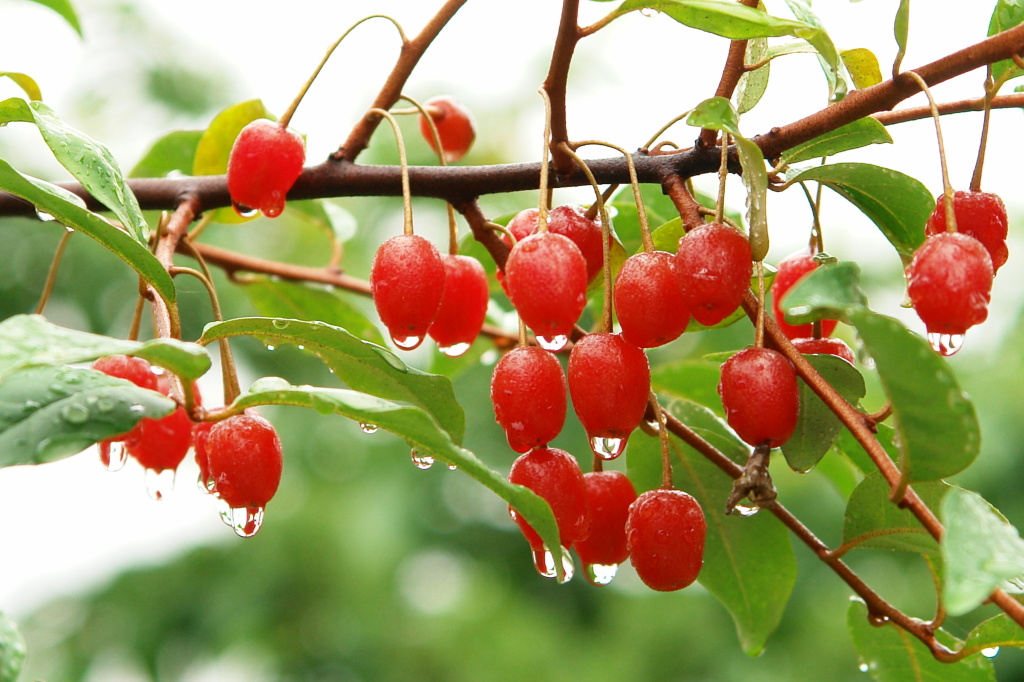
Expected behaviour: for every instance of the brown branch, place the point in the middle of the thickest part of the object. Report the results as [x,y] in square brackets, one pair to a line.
[965,105]
[556,81]
[731,73]
[689,208]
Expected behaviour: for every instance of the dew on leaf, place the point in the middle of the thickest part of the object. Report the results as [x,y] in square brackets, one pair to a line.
[421,461]
[74,413]
[368,428]
[244,211]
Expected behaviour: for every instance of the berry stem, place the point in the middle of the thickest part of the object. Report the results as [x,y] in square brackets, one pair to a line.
[641,210]
[140,305]
[723,174]
[947,188]
[985,121]
[51,275]
[759,326]
[544,201]
[666,458]
[404,162]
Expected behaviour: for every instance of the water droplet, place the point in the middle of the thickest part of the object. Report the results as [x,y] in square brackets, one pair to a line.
[70,377]
[280,324]
[68,229]
[246,521]
[991,652]
[159,484]
[74,413]
[58,389]
[271,347]
[369,428]
[205,485]
[600,574]
[30,406]
[544,562]
[607,448]
[452,467]
[226,515]
[553,343]
[489,357]
[877,619]
[407,342]
[744,510]
[244,211]
[454,350]
[946,344]
[113,455]
[301,347]
[421,461]
[863,667]
[44,216]
[105,404]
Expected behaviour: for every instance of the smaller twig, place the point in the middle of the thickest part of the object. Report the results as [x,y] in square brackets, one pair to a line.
[51,276]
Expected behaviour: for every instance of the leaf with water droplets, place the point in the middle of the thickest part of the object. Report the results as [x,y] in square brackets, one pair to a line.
[998,631]
[873,521]
[48,413]
[12,649]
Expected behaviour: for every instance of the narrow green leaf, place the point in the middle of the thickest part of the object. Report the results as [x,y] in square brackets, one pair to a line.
[828,56]
[890,654]
[936,424]
[817,427]
[830,292]
[860,133]
[1005,15]
[67,209]
[898,204]
[998,631]
[863,67]
[174,152]
[12,649]
[65,10]
[361,365]
[25,82]
[753,84]
[27,340]
[726,19]
[980,551]
[873,521]
[900,31]
[48,413]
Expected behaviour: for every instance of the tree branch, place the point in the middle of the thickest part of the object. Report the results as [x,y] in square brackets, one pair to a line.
[731,73]
[556,81]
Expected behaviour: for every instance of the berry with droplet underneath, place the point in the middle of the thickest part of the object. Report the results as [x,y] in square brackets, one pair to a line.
[407,282]
[265,161]
[529,396]
[715,267]
[455,126]
[759,392]
[609,494]
[949,281]
[981,215]
[135,370]
[546,278]
[649,299]
[665,534]
[554,475]
[161,444]
[463,307]
[244,457]
[792,269]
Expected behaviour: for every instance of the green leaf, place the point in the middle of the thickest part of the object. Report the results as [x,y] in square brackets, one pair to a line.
[25,82]
[68,210]
[667,236]
[65,10]
[900,31]
[863,67]
[48,413]
[860,133]
[1005,15]
[174,152]
[873,521]
[303,302]
[753,84]
[694,380]
[817,427]
[417,427]
[327,216]
[890,654]
[28,340]
[828,56]
[936,424]
[858,456]
[830,292]
[980,551]
[993,633]
[737,549]
[726,19]
[12,649]
[363,366]
[898,204]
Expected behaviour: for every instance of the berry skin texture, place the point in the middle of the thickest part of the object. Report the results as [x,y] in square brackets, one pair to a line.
[649,299]
[463,307]
[244,455]
[609,494]
[792,269]
[161,444]
[569,221]
[135,370]
[529,396]
[554,475]
[665,535]
[546,278]
[200,436]
[949,281]
[826,346]
[610,382]
[265,162]
[715,267]
[407,282]
[981,215]
[455,127]
[759,391]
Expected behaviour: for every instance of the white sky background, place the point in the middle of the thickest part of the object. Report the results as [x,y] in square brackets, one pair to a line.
[68,525]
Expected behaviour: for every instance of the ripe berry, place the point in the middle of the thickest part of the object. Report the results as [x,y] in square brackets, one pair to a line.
[569,221]
[463,307]
[528,392]
[454,124]
[826,346]
[949,281]
[200,436]
[407,282]
[665,536]
[244,456]
[610,382]
[609,494]
[140,373]
[981,215]
[161,444]
[715,267]
[649,299]
[792,269]
[759,391]
[265,161]
[547,282]
[555,476]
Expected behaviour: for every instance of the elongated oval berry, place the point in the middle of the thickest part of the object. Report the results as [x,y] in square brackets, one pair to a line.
[455,126]
[569,221]
[649,299]
[547,282]
[610,382]
[828,345]
[609,493]
[266,160]
[760,395]
[715,267]
[244,457]
[528,392]
[981,215]
[792,269]
[665,535]
[554,475]
[407,282]
[463,307]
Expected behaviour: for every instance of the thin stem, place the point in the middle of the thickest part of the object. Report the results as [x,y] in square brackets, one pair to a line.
[688,207]
[985,121]
[404,162]
[641,210]
[51,276]
[666,457]
[759,326]
[543,202]
[947,188]
[723,174]
[133,331]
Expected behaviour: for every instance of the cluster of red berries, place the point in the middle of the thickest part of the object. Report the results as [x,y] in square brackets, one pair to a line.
[239,458]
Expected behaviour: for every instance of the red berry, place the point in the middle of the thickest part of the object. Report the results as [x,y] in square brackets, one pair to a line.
[161,444]
[792,269]
[610,383]
[200,437]
[265,161]
[981,215]
[407,282]
[715,267]
[665,535]
[649,299]
[244,455]
[609,494]
[454,124]
[528,392]
[463,305]
[547,282]
[569,221]
[140,373]
[759,391]
[826,346]
[555,476]
[949,281]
